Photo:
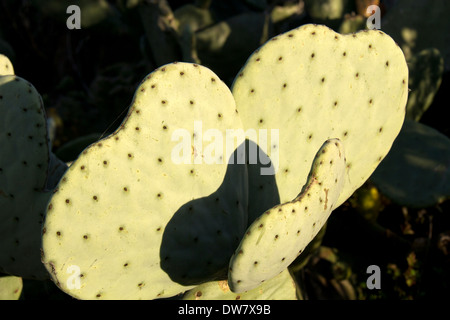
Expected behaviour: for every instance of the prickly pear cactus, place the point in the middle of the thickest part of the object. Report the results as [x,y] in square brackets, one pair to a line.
[313,84]
[6,67]
[24,176]
[139,215]
[10,287]
[281,287]
[279,235]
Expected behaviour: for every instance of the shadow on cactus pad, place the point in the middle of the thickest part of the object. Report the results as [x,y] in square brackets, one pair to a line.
[203,234]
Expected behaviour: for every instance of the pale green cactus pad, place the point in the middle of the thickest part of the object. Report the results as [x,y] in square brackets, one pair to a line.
[279,235]
[6,67]
[281,287]
[313,84]
[416,173]
[10,287]
[144,214]
[24,169]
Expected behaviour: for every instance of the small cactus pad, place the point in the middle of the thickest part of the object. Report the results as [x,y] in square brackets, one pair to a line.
[313,84]
[144,214]
[279,235]
[24,160]
[6,67]
[282,287]
[10,287]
